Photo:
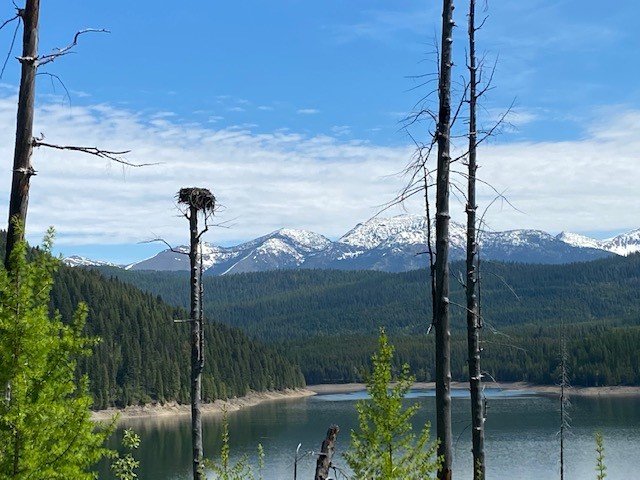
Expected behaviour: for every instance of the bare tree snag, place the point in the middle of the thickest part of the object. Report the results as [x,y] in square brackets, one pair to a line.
[25,141]
[441,307]
[564,399]
[473,321]
[326,453]
[22,169]
[197,200]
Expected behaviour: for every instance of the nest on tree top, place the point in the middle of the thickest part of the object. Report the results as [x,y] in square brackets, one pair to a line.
[199,198]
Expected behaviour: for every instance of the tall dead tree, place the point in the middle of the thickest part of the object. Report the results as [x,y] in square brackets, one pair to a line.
[441,307]
[564,398]
[197,201]
[22,169]
[25,143]
[473,317]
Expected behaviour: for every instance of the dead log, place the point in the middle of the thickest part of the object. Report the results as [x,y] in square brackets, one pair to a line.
[326,453]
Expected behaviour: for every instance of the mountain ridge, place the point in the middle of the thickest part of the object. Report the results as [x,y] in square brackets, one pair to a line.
[392,244]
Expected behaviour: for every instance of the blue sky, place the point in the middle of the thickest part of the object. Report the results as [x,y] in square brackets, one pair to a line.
[324,82]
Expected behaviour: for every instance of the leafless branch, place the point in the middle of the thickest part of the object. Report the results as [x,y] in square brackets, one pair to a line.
[169,246]
[114,156]
[506,284]
[7,22]
[56,77]
[13,42]
[59,52]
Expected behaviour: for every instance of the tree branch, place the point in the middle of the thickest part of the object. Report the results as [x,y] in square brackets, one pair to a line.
[114,156]
[66,50]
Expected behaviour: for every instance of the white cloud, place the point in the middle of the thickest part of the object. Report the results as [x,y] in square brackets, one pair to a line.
[308,111]
[271,180]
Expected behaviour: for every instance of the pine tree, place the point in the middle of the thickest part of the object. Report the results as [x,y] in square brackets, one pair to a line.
[45,426]
[601,468]
[241,469]
[385,446]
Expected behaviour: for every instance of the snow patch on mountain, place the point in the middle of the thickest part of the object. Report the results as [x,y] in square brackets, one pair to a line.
[624,244]
[577,240]
[78,261]
[389,244]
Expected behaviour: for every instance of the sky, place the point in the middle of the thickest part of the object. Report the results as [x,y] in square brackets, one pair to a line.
[291,111]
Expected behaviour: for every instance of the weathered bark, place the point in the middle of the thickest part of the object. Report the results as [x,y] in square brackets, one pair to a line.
[564,383]
[196,346]
[22,169]
[473,321]
[326,453]
[442,330]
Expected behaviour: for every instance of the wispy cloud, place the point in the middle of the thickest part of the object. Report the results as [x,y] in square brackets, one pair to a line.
[307,111]
[270,180]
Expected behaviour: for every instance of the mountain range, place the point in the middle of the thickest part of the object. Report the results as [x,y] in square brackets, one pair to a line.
[388,244]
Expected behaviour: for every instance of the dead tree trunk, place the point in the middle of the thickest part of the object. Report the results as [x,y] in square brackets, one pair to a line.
[326,453]
[443,334]
[197,200]
[564,401]
[196,345]
[473,320]
[22,169]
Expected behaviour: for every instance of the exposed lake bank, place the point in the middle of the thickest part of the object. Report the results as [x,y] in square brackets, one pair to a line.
[621,390]
[171,409]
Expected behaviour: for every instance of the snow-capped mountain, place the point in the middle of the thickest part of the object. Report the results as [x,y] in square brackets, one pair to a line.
[285,248]
[624,244]
[390,244]
[577,240]
[78,261]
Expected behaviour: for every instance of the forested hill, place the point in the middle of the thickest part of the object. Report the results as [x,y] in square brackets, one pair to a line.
[283,305]
[327,321]
[144,356]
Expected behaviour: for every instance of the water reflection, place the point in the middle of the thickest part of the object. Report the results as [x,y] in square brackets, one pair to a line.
[522,441]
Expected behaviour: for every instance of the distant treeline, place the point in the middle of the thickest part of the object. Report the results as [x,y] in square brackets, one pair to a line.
[282,305]
[597,356]
[328,320]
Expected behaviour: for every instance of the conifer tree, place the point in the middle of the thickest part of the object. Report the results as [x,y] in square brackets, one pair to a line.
[385,446]
[45,427]
[601,468]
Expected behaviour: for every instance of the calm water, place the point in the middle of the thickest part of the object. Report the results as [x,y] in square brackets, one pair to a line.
[521,438]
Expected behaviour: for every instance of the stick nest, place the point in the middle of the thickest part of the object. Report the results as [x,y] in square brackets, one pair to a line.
[199,198]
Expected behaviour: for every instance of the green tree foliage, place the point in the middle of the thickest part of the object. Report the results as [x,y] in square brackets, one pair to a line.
[241,469]
[385,446]
[601,468]
[301,311]
[296,304]
[124,466]
[45,426]
[144,356]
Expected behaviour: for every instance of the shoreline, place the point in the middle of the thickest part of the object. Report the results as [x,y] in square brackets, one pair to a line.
[173,409]
[252,399]
[621,390]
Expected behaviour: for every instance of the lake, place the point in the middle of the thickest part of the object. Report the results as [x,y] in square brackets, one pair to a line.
[521,435]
